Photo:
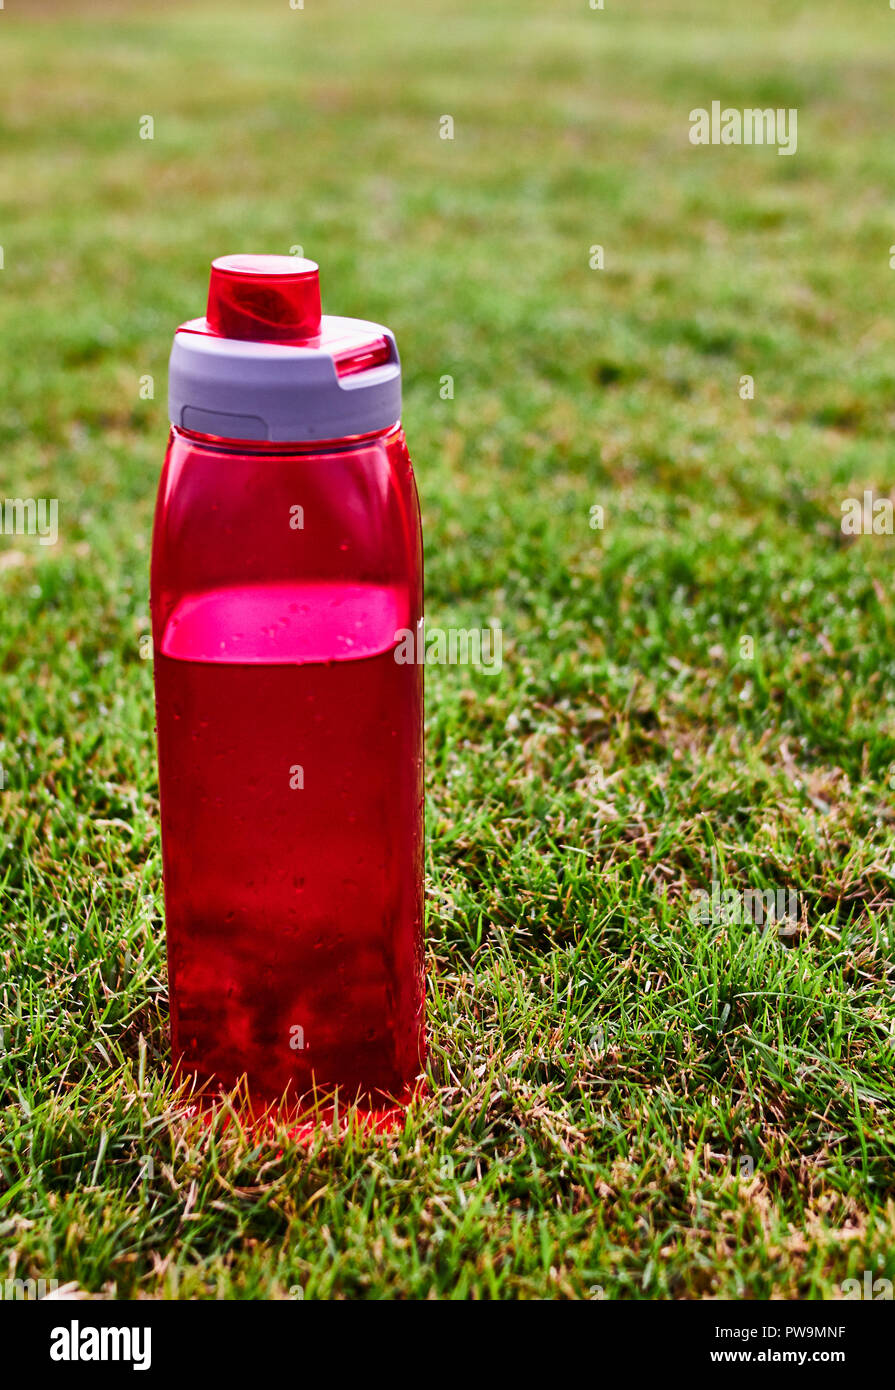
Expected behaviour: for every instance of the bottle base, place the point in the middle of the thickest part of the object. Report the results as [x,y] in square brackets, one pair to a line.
[324,1113]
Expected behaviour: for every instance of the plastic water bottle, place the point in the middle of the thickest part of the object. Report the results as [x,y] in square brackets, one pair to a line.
[286,573]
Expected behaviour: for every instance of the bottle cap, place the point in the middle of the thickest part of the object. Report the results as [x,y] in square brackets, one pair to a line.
[264,364]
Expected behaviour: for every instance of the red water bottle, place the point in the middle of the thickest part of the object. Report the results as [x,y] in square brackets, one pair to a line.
[286,576]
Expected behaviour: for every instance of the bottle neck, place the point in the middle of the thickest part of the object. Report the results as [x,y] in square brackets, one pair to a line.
[262,446]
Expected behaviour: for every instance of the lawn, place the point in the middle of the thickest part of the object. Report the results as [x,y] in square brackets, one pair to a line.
[626,1100]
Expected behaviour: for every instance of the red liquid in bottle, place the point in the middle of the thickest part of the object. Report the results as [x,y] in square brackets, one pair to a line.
[291,766]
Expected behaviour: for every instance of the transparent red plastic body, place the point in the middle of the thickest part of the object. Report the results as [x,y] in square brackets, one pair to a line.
[291,764]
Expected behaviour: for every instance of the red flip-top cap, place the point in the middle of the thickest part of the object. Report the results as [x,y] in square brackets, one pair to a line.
[264,299]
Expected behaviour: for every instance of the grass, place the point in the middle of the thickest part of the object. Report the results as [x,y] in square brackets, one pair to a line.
[622,1099]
